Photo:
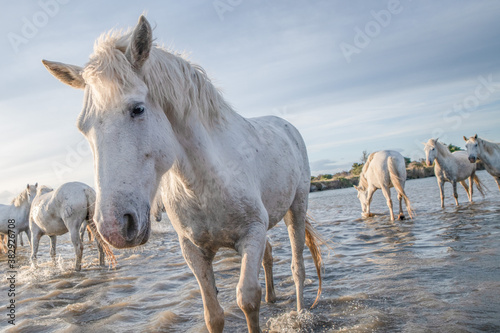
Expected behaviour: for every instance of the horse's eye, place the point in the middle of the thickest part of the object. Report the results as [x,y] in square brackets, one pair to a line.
[137,111]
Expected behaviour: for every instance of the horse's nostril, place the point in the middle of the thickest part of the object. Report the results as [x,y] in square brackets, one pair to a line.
[129,227]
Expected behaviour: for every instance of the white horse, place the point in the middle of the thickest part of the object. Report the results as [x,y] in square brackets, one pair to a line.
[15,217]
[383,170]
[54,213]
[152,117]
[451,167]
[488,152]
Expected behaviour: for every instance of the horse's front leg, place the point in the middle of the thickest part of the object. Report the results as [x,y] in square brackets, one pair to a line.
[267,263]
[455,194]
[200,262]
[441,192]
[248,291]
[369,197]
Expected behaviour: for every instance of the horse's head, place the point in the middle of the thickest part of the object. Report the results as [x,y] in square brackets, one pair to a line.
[128,131]
[430,151]
[472,148]
[31,192]
[363,199]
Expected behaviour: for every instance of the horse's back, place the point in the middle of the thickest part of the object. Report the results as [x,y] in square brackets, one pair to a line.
[378,172]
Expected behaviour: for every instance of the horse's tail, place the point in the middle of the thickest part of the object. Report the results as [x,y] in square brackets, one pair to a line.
[479,184]
[108,253]
[397,181]
[313,242]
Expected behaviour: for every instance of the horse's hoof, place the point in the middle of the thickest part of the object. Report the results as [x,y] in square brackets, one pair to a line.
[401,217]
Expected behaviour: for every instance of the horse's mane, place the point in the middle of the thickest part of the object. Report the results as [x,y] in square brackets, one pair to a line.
[175,84]
[21,197]
[489,146]
[363,182]
[441,147]
[43,189]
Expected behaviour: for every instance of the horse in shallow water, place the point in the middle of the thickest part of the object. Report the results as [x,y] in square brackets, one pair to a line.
[54,213]
[154,119]
[451,167]
[488,152]
[18,211]
[383,170]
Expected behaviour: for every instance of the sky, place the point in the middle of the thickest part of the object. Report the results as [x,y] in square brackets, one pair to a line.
[352,76]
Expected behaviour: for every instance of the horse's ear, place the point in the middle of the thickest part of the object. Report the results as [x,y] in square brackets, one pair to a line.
[69,74]
[140,43]
[28,186]
[475,136]
[355,187]
[36,184]
[465,138]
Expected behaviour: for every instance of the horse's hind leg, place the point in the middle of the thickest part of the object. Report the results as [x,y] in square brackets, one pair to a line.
[267,263]
[53,249]
[387,194]
[295,220]
[455,194]
[101,252]
[200,262]
[401,215]
[36,234]
[497,179]
[78,245]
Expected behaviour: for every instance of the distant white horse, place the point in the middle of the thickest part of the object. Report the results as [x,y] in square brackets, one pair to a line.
[383,170]
[54,213]
[488,152]
[451,167]
[152,117]
[18,212]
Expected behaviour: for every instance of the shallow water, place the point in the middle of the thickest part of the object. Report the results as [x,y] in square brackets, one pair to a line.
[439,272]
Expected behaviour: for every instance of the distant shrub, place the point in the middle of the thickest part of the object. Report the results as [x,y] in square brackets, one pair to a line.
[356,169]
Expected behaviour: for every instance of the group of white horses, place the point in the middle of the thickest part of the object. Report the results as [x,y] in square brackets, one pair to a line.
[40,210]
[387,168]
[156,124]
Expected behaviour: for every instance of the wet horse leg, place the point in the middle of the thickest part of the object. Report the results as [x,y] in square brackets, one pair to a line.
[36,234]
[248,291]
[387,194]
[77,244]
[200,262]
[267,263]
[295,220]
[401,215]
[53,249]
[441,191]
[455,194]
[467,188]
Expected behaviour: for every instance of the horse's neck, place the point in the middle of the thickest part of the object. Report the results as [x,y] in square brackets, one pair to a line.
[198,161]
[489,150]
[444,155]
[22,211]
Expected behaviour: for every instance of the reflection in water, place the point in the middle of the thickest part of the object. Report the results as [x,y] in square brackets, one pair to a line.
[439,272]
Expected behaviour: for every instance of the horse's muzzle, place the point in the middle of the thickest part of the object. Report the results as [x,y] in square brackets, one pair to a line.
[123,231]
[472,159]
